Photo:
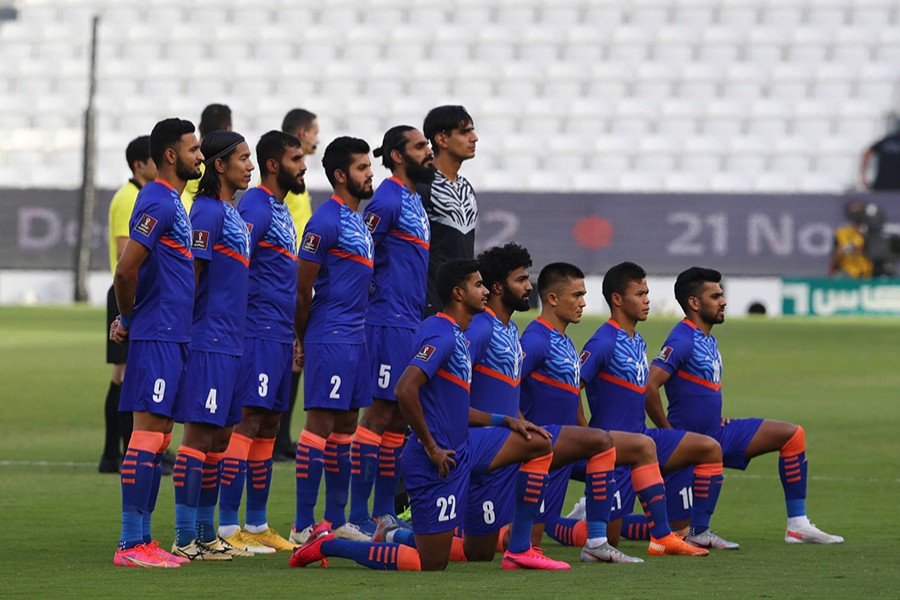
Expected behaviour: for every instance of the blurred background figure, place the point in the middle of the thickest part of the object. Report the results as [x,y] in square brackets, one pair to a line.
[849,258]
[883,160]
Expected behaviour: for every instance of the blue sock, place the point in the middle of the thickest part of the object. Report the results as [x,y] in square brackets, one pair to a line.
[151,499]
[378,556]
[137,481]
[793,472]
[260,481]
[598,498]
[187,477]
[309,464]
[706,488]
[337,478]
[209,495]
[403,536]
[234,473]
[529,489]
[388,473]
[635,527]
[653,501]
[363,465]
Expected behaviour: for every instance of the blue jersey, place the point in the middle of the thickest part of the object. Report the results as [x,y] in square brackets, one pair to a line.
[220,309]
[165,288]
[337,239]
[402,236]
[551,376]
[694,389]
[497,359]
[443,354]
[614,371]
[272,299]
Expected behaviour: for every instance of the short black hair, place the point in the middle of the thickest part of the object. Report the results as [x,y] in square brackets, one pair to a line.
[165,135]
[619,276]
[339,155]
[138,150]
[296,119]
[445,119]
[215,117]
[272,145]
[554,274]
[498,262]
[690,283]
[453,274]
[394,139]
[218,144]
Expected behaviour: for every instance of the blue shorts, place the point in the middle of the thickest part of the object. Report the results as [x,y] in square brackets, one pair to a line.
[336,376]
[265,377]
[207,393]
[666,441]
[390,350]
[152,378]
[734,439]
[438,504]
[679,493]
[491,501]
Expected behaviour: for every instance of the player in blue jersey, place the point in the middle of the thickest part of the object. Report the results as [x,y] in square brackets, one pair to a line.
[336,259]
[614,374]
[154,285]
[264,381]
[690,367]
[497,358]
[551,394]
[400,230]
[452,441]
[206,397]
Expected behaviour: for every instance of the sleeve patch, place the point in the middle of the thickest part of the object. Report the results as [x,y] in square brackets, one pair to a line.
[425,353]
[146,224]
[372,220]
[664,354]
[584,356]
[201,240]
[311,242]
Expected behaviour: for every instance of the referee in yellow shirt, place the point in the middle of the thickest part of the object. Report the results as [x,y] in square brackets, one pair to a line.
[215,117]
[303,125]
[119,425]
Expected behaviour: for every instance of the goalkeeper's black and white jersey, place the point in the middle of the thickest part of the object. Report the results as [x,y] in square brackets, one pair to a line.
[452,212]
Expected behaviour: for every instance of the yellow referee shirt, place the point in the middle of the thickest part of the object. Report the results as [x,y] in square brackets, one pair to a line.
[853,260]
[300,207]
[120,209]
[190,190]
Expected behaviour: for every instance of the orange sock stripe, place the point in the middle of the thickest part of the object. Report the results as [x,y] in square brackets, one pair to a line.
[391,439]
[262,449]
[539,465]
[214,458]
[192,452]
[579,533]
[238,447]
[167,439]
[600,463]
[646,475]
[364,435]
[708,470]
[307,438]
[148,441]
[408,559]
[340,438]
[795,445]
[457,551]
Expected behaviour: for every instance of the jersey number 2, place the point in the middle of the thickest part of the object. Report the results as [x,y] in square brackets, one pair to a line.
[448,508]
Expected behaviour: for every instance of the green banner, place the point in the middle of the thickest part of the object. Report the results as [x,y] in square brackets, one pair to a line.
[827,297]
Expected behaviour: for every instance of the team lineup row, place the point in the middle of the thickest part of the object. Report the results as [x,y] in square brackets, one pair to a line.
[217,308]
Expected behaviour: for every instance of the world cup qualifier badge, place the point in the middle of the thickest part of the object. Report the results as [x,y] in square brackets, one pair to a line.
[584,356]
[146,224]
[200,240]
[664,354]
[425,353]
[372,220]
[311,242]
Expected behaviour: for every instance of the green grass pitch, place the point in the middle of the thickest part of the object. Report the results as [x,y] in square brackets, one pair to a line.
[839,378]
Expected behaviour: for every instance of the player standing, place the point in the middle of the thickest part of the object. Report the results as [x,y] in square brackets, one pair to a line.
[154,284]
[336,259]
[400,230]
[614,374]
[449,199]
[206,398]
[690,367]
[119,425]
[265,378]
[551,394]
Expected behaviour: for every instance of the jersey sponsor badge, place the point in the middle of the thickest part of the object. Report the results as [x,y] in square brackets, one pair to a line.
[146,224]
[372,220]
[664,354]
[311,242]
[201,240]
[425,353]
[584,356]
